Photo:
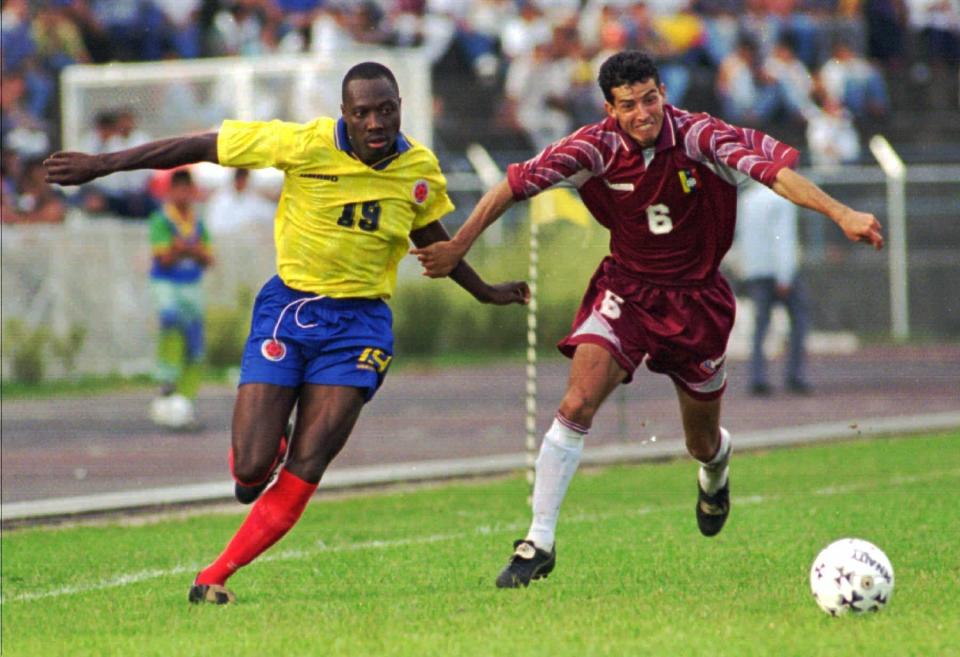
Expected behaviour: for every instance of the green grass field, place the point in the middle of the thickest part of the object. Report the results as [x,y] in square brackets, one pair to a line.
[411,573]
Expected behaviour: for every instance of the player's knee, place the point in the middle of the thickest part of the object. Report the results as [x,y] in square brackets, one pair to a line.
[578,407]
[311,458]
[248,469]
[702,444]
[309,467]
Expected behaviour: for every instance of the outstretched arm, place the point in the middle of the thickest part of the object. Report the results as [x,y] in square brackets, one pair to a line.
[464,275]
[71,168]
[857,226]
[440,259]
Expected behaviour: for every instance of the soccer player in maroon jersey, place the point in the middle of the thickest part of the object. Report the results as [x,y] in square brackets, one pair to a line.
[664,182]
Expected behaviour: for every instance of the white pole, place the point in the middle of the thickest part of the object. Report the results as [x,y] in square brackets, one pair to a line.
[531,419]
[896,173]
[490,174]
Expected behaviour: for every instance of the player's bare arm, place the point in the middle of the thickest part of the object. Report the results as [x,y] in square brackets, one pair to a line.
[440,258]
[857,226]
[465,276]
[73,168]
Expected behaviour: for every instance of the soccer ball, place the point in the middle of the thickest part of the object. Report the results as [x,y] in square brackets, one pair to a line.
[851,575]
[172,411]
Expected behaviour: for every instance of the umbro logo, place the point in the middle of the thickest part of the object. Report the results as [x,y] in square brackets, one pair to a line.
[712,509]
[320,176]
[525,551]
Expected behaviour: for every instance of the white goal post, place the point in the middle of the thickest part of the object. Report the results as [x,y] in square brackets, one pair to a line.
[179,97]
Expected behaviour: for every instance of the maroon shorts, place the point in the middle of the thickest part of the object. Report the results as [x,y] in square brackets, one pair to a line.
[681,330]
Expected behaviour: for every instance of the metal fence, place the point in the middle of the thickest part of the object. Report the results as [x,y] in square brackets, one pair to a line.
[93,272]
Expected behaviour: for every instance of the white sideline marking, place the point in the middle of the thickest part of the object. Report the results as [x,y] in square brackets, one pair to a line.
[340,478]
[483,530]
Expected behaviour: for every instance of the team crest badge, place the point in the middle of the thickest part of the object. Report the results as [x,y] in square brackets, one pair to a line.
[420,191]
[273,350]
[688,180]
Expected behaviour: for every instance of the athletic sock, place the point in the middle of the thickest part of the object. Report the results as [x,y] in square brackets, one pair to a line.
[169,355]
[269,520]
[713,473]
[190,379]
[558,460]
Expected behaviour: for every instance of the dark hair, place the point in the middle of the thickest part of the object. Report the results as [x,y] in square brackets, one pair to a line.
[181,177]
[368,71]
[105,118]
[626,67]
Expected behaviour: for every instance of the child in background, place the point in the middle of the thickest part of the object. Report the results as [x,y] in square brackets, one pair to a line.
[181,253]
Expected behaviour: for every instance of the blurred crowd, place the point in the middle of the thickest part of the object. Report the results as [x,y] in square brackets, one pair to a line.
[823,65]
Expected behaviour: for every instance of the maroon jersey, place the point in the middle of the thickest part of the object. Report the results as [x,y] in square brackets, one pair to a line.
[671,208]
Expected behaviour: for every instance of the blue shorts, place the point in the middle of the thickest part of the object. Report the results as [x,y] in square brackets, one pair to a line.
[297,337]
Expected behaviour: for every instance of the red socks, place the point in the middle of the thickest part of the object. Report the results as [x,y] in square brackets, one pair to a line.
[271,517]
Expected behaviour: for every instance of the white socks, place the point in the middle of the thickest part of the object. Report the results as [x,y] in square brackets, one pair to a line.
[558,460]
[713,473]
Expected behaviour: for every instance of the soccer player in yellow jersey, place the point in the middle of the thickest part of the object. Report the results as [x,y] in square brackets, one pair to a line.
[355,191]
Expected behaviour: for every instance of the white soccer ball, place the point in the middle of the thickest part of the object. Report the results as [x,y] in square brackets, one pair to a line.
[851,575]
[172,411]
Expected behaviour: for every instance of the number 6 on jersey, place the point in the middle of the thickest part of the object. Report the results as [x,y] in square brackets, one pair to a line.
[658,219]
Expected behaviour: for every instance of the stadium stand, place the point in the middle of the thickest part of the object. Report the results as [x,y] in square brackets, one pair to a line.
[898,76]
[887,60]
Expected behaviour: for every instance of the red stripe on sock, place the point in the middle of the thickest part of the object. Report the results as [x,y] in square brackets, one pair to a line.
[270,519]
[572,425]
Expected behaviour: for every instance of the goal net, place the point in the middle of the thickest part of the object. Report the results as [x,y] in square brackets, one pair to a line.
[178,97]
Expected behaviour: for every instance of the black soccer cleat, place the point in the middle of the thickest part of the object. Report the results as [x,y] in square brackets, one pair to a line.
[210,593]
[528,562]
[249,494]
[712,510]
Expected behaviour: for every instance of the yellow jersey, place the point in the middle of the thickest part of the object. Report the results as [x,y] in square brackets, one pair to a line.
[341,226]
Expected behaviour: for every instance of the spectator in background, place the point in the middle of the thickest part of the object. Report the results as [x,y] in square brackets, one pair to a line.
[832,139]
[59,41]
[521,33]
[793,19]
[123,194]
[36,202]
[479,36]
[134,28]
[236,207]
[537,91]
[668,39]
[854,82]
[10,168]
[368,25]
[767,235]
[721,26]
[15,34]
[935,24]
[611,38]
[746,93]
[95,37]
[182,26]
[582,99]
[885,22]
[246,28]
[794,82]
[181,252]
[21,129]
